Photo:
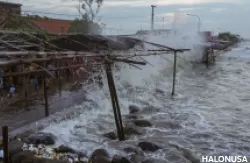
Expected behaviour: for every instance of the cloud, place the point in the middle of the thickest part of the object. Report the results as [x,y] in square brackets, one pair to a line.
[216,10]
[143,3]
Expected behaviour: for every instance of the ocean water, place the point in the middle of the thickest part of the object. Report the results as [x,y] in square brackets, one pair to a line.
[209,114]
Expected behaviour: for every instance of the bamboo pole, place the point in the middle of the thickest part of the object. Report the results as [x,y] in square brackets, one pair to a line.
[5,144]
[114,103]
[57,53]
[46,105]
[174,73]
[117,103]
[41,70]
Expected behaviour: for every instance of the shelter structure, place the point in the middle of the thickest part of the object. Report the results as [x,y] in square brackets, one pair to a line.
[47,53]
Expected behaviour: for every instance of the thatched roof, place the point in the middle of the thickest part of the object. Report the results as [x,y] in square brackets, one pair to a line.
[12,41]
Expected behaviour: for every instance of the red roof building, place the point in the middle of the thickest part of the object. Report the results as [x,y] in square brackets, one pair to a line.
[56,26]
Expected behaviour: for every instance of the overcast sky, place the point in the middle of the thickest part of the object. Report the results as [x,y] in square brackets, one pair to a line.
[131,15]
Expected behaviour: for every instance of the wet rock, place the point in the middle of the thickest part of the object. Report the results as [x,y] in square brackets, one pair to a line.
[101,159]
[134,109]
[99,152]
[64,149]
[132,116]
[150,109]
[147,146]
[133,150]
[21,156]
[131,131]
[110,135]
[154,161]
[142,123]
[15,147]
[136,158]
[41,138]
[120,159]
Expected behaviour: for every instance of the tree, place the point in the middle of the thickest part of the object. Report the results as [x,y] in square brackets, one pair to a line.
[84,27]
[90,8]
[227,36]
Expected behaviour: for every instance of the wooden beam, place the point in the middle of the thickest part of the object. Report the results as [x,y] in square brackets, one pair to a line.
[40,70]
[58,53]
[35,60]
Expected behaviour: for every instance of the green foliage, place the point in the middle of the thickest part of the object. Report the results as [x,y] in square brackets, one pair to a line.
[19,23]
[84,27]
[227,36]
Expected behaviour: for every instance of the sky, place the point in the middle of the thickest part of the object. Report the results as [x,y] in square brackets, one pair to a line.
[128,16]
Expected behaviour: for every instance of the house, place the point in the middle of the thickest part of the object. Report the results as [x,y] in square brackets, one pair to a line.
[54,26]
[8,7]
[154,32]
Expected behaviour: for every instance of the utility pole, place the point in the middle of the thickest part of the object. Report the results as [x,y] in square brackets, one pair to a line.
[152,17]
[163,22]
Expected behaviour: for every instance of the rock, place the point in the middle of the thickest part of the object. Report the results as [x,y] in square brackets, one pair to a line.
[110,135]
[142,123]
[154,161]
[130,131]
[133,150]
[22,156]
[99,152]
[101,159]
[136,158]
[41,138]
[120,159]
[131,116]
[134,109]
[15,147]
[147,146]
[150,109]
[64,149]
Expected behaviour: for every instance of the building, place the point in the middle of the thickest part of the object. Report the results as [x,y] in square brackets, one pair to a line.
[8,7]
[154,32]
[55,26]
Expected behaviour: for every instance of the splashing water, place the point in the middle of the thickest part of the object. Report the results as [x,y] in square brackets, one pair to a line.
[208,116]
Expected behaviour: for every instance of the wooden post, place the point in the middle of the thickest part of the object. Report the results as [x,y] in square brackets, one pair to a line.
[115,103]
[45,97]
[174,73]
[59,77]
[5,144]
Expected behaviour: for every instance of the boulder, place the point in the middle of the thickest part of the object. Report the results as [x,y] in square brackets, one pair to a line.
[99,152]
[21,156]
[110,135]
[142,123]
[15,147]
[131,131]
[101,159]
[136,158]
[154,161]
[41,138]
[64,149]
[120,159]
[147,146]
[133,150]
[134,109]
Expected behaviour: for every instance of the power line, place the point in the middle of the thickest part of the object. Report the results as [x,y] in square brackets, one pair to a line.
[74,15]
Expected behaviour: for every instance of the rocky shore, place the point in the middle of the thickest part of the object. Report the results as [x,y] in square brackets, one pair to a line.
[41,147]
